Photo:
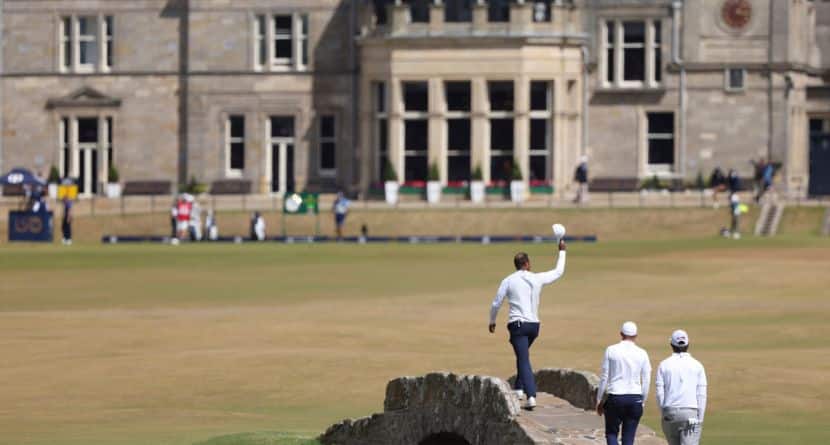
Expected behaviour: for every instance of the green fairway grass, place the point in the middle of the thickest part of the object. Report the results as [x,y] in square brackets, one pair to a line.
[218,344]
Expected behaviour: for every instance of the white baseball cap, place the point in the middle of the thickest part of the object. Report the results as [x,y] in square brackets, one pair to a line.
[629,328]
[679,338]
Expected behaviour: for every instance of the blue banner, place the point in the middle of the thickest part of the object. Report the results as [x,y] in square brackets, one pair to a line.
[30,226]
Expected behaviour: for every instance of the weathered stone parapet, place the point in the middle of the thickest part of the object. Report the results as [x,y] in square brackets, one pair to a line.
[579,388]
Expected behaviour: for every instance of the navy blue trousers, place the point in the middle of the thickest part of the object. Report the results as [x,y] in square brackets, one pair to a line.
[522,335]
[624,410]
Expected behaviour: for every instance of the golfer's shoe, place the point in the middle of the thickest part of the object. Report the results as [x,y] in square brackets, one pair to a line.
[520,394]
[531,403]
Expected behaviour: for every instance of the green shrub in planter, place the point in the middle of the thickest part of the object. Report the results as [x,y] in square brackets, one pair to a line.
[433,174]
[112,175]
[477,175]
[54,175]
[389,173]
[517,173]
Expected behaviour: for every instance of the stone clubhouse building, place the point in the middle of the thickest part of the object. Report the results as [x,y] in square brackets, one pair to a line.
[268,96]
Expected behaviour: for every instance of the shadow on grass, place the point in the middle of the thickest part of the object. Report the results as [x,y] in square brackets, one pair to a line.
[260,438]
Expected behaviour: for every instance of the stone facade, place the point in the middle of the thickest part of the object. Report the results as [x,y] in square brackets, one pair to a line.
[641,87]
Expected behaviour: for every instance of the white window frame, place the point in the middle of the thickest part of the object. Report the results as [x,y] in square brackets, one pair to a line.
[547,115]
[102,39]
[619,46]
[727,80]
[68,138]
[660,169]
[298,36]
[327,172]
[232,173]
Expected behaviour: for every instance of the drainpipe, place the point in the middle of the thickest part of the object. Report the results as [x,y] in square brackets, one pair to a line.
[677,7]
[2,51]
[355,179]
[770,86]
[585,79]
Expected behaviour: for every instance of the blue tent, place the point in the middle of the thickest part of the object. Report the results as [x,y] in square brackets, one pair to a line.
[20,176]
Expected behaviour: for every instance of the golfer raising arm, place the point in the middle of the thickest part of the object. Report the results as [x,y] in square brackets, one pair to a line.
[522,290]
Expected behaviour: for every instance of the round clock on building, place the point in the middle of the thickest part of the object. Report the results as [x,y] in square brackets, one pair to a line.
[736,13]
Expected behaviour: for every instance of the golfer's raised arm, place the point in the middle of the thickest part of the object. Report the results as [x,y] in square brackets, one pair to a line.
[494,308]
[553,275]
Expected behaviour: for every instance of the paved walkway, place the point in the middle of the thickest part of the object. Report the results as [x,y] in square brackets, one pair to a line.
[555,421]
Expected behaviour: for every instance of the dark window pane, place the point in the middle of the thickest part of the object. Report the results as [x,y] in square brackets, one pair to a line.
[660,123]
[634,32]
[658,33]
[539,134]
[237,126]
[327,156]
[416,135]
[458,134]
[418,10]
[383,136]
[88,53]
[609,63]
[110,41]
[415,168]
[282,25]
[88,130]
[380,97]
[539,168]
[282,126]
[635,64]
[458,10]
[501,167]
[736,78]
[501,95]
[304,46]
[658,65]
[458,168]
[540,95]
[661,151]
[327,126]
[283,49]
[237,155]
[109,140]
[458,96]
[816,126]
[380,11]
[609,33]
[416,96]
[541,10]
[501,134]
[498,11]
[383,161]
[65,147]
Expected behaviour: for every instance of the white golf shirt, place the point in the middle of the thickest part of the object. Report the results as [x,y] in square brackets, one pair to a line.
[681,383]
[625,370]
[523,289]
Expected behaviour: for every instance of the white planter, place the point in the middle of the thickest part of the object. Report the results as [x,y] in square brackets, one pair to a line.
[477,189]
[517,191]
[390,189]
[53,190]
[113,190]
[433,192]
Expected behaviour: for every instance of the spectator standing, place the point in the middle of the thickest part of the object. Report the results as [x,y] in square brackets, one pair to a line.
[183,209]
[718,183]
[581,179]
[767,174]
[257,227]
[625,379]
[340,210]
[211,228]
[735,210]
[734,181]
[66,223]
[681,393]
[195,222]
[174,214]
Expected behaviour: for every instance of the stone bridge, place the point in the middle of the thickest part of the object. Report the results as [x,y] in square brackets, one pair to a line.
[450,409]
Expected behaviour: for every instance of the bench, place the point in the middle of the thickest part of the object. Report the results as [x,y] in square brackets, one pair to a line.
[231,187]
[147,188]
[13,190]
[614,184]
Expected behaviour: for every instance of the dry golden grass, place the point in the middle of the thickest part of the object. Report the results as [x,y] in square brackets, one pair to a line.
[161,345]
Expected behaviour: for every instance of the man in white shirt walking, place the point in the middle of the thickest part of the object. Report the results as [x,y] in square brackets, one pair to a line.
[522,290]
[623,386]
[681,393]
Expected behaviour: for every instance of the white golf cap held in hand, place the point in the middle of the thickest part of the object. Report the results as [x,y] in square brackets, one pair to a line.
[679,338]
[558,230]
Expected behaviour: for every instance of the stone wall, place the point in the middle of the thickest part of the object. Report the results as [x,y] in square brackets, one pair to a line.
[579,388]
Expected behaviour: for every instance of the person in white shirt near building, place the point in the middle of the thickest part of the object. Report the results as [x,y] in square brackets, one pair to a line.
[681,393]
[523,289]
[623,386]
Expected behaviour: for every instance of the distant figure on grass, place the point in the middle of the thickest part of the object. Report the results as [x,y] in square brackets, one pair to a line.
[257,227]
[340,210]
[581,179]
[211,229]
[523,289]
[174,216]
[623,386]
[735,211]
[183,209]
[681,393]
[66,223]
[717,181]
[195,223]
[767,173]
[733,181]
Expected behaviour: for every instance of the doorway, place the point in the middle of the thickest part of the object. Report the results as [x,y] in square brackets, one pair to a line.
[281,156]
